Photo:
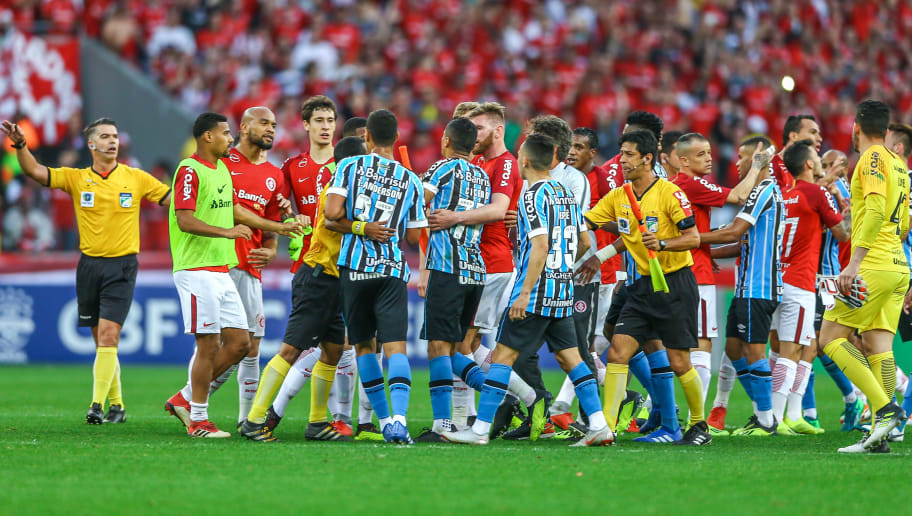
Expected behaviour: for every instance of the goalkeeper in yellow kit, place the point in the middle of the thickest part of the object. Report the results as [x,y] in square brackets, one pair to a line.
[880,219]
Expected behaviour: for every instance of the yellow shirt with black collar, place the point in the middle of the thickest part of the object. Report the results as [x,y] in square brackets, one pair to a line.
[666,211]
[107,207]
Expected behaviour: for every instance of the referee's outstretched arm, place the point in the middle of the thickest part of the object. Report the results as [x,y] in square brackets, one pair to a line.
[29,164]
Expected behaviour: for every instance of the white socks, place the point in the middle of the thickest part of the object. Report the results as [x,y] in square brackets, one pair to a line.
[726,383]
[248,378]
[783,379]
[342,392]
[702,362]
[799,387]
[199,411]
[297,376]
[564,398]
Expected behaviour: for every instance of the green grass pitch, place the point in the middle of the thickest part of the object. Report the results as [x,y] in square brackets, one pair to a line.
[53,463]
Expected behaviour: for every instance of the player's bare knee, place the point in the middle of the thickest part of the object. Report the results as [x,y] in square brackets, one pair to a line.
[254,346]
[331,353]
[568,359]
[289,353]
[679,360]
[439,348]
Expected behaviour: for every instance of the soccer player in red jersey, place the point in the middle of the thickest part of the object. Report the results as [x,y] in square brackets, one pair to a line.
[491,154]
[257,186]
[695,155]
[307,173]
[797,128]
[809,210]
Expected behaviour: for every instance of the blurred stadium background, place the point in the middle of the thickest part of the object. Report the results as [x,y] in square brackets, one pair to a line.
[721,68]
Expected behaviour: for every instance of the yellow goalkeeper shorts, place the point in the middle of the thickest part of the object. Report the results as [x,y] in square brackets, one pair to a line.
[881,309]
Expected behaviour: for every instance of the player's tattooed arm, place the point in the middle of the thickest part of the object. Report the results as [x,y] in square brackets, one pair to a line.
[842,231]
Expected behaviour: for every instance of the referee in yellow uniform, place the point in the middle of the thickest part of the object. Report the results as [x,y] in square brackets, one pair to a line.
[671,232]
[106,197]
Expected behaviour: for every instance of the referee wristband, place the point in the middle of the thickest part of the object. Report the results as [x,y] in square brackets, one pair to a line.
[605,253]
[358,227]
[18,145]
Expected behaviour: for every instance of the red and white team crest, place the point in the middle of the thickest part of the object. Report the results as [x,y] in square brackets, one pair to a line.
[260,321]
[271,184]
[234,158]
[580,306]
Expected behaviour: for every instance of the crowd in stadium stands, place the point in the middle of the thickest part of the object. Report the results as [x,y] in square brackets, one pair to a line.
[714,67]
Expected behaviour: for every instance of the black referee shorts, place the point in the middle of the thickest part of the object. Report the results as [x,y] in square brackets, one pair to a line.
[450,305]
[104,288]
[316,309]
[749,319]
[670,317]
[374,305]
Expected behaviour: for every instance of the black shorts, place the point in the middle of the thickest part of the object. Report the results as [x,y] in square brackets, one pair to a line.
[374,305]
[749,319]
[670,317]
[104,288]
[585,308]
[316,309]
[617,304]
[818,313]
[450,305]
[527,334]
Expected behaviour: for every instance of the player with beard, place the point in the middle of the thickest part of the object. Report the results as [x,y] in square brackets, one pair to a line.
[796,128]
[492,156]
[695,158]
[257,186]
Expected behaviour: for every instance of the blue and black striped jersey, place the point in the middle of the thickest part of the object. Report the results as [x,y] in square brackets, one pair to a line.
[377,189]
[547,208]
[829,246]
[457,185]
[759,274]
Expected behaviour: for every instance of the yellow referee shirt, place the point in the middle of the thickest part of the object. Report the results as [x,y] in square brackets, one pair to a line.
[880,172]
[666,211]
[107,208]
[324,244]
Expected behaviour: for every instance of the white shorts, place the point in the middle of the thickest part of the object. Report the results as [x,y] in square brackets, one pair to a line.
[209,301]
[251,291]
[793,319]
[706,313]
[606,292]
[494,299]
